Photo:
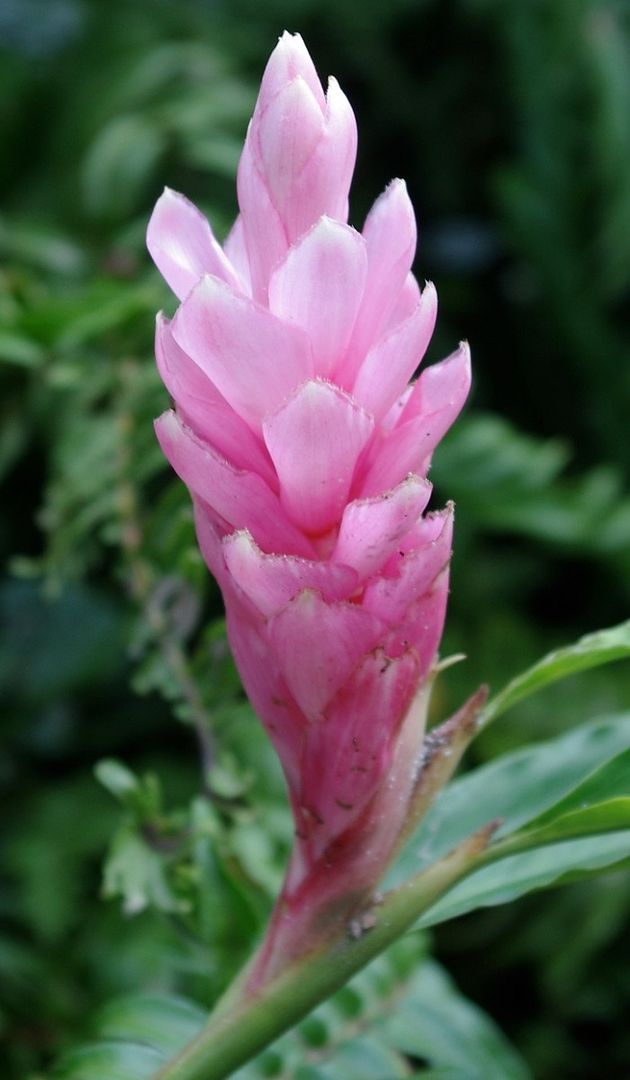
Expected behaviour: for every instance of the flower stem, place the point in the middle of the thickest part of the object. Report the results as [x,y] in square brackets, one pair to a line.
[233,1037]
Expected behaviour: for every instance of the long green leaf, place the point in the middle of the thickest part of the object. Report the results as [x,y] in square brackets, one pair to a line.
[610,781]
[436,1023]
[163,1022]
[517,875]
[402,1005]
[133,1037]
[602,647]
[521,787]
[110,1060]
[612,815]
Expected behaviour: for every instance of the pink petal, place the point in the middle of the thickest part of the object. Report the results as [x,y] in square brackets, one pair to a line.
[423,624]
[437,525]
[347,754]
[410,574]
[319,287]
[271,581]
[289,59]
[303,148]
[209,537]
[267,691]
[323,185]
[318,645]
[253,358]
[436,400]
[371,528]
[203,409]
[392,417]
[183,247]
[264,232]
[390,235]
[388,366]
[314,441]
[284,135]
[265,685]
[241,498]
[296,166]
[236,250]
[443,385]
[408,298]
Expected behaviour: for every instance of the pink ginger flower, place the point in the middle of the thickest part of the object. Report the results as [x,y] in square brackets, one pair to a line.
[306,454]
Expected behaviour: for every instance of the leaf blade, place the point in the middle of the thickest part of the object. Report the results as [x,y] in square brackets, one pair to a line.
[592,650]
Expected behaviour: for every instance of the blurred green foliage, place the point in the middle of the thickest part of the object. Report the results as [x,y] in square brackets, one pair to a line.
[509,120]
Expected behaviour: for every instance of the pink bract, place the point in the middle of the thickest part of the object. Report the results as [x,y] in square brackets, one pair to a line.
[305,451]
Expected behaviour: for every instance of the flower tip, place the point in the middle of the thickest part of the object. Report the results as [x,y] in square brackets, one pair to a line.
[461,356]
[429,293]
[167,429]
[291,37]
[168,196]
[289,60]
[336,101]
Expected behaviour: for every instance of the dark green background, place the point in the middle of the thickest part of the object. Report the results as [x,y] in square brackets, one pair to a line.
[509,121]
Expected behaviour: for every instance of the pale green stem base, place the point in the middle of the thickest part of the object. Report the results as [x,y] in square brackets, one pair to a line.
[241,1028]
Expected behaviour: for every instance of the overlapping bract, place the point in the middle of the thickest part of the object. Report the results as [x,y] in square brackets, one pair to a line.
[304,448]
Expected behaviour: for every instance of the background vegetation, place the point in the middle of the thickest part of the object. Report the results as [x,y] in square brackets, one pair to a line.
[509,119]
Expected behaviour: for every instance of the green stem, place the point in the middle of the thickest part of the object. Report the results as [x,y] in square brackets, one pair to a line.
[234,1037]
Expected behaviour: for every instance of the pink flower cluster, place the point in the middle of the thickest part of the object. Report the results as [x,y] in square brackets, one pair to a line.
[306,450]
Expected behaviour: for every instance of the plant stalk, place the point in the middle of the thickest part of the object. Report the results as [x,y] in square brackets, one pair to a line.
[236,1036]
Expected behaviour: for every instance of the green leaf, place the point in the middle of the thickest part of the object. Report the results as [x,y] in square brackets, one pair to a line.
[504,480]
[598,805]
[364,1058]
[554,790]
[608,816]
[602,647]
[518,788]
[120,781]
[119,163]
[516,875]
[605,783]
[141,795]
[137,874]
[19,350]
[110,1061]
[402,1005]
[133,1037]
[164,1022]
[437,1023]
